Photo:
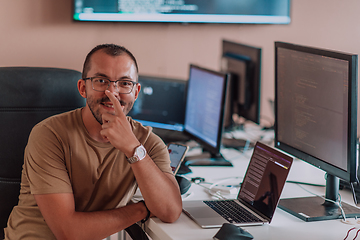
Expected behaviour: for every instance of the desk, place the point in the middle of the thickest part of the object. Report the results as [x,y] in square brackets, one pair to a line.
[283,225]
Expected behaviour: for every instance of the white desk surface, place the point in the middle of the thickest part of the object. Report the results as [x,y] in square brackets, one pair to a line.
[283,225]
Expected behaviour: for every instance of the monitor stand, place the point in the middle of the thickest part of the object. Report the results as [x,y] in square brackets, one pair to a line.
[207,159]
[237,143]
[316,208]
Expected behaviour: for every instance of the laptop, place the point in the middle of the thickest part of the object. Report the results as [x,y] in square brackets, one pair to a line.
[258,196]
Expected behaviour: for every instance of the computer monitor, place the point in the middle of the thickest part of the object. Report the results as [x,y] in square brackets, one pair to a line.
[243,63]
[161,105]
[204,114]
[184,11]
[316,121]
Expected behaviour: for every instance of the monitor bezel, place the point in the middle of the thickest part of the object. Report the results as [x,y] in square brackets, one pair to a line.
[350,174]
[214,150]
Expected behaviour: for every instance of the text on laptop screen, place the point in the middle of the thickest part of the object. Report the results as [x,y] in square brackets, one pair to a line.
[264,180]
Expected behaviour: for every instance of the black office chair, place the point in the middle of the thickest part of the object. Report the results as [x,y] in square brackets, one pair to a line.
[28,95]
[136,232]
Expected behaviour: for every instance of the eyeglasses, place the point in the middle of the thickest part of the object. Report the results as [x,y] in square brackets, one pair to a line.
[101,84]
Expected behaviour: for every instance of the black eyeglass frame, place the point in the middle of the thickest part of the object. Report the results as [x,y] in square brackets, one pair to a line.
[91,79]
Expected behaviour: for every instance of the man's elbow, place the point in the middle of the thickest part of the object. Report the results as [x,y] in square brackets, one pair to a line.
[65,236]
[172,218]
[66,232]
[172,214]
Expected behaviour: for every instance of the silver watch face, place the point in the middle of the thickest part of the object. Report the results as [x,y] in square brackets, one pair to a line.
[140,152]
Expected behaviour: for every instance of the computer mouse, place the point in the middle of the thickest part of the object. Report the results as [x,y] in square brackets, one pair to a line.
[231,232]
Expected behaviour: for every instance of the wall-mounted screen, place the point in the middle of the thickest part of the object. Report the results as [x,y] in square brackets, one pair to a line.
[184,11]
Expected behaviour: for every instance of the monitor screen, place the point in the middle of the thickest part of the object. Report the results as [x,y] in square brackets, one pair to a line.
[243,63]
[205,108]
[316,109]
[161,103]
[184,11]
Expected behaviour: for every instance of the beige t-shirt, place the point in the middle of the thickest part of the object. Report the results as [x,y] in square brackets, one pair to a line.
[61,157]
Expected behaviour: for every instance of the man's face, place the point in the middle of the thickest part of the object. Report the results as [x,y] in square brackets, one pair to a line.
[113,68]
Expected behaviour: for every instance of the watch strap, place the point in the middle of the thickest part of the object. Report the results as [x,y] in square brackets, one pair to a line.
[139,154]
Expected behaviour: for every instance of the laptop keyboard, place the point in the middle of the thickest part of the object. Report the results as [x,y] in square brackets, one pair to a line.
[232,211]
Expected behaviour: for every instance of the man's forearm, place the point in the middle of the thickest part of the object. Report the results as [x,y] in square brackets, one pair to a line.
[160,190]
[65,223]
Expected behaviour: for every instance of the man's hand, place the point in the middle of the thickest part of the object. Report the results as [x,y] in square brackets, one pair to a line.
[160,190]
[116,128]
[59,213]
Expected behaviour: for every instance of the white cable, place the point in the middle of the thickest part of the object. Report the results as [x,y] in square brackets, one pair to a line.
[211,191]
[214,195]
[329,200]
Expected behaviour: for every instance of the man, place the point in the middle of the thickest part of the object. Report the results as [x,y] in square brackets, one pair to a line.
[82,167]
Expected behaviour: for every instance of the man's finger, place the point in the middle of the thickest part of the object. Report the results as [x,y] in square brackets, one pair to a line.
[117,106]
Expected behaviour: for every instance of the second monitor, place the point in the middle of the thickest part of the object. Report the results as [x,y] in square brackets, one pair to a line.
[204,114]
[243,63]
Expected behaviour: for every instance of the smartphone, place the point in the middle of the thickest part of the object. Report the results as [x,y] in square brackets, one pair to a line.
[177,152]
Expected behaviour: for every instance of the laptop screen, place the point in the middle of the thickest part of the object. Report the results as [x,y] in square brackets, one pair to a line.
[264,179]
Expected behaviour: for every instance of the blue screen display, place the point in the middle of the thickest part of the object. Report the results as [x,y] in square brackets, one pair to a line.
[190,11]
[203,113]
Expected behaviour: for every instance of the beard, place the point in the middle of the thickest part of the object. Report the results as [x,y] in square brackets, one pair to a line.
[95,109]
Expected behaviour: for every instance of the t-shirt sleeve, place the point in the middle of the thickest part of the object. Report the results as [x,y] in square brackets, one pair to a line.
[158,152]
[44,162]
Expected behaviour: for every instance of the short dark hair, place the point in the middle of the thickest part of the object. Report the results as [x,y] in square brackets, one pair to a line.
[110,49]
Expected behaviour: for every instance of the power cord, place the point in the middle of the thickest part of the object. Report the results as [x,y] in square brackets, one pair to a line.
[344,220]
[329,200]
[229,189]
[348,232]
[305,183]
[210,190]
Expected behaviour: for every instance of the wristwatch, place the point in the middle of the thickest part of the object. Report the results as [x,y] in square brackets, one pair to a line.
[139,154]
